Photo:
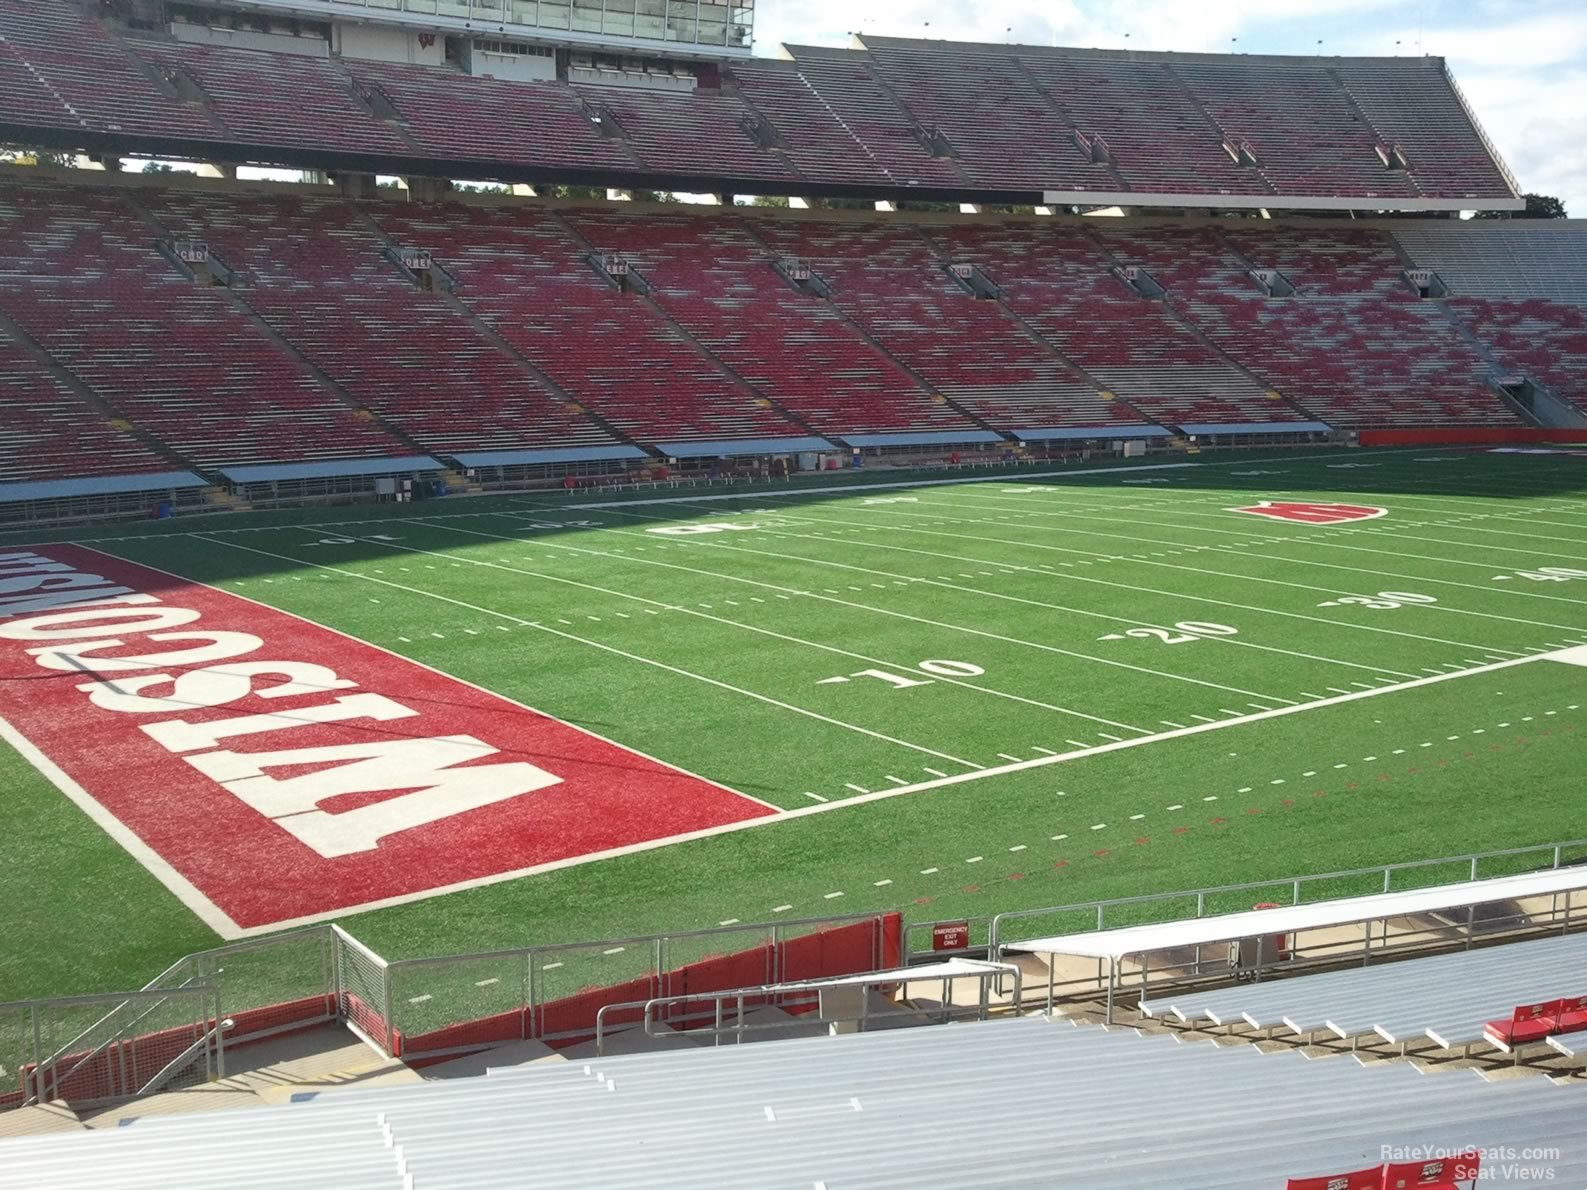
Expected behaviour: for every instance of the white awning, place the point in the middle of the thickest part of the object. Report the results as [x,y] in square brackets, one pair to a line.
[950,969]
[1229,927]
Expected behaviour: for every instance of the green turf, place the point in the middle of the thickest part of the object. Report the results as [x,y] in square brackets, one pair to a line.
[726,679]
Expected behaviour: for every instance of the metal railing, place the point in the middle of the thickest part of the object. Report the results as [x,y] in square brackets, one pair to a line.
[1357,943]
[987,933]
[1482,133]
[102,1049]
[815,1004]
[103,1046]
[509,989]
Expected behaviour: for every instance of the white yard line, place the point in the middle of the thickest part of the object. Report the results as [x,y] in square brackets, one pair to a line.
[909,667]
[1249,578]
[1216,506]
[882,611]
[486,611]
[1216,725]
[1078,578]
[1318,539]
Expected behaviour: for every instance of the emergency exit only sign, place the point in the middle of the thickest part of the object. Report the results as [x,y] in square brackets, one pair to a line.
[950,935]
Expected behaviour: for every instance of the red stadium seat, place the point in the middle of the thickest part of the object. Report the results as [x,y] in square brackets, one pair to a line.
[1361,1179]
[1439,1173]
[1527,1024]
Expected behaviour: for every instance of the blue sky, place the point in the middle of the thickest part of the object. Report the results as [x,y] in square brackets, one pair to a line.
[1521,63]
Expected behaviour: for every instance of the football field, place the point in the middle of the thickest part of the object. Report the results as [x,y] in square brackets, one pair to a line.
[707,706]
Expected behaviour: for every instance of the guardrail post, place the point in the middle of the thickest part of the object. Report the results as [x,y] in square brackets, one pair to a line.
[658,962]
[220,1038]
[38,1058]
[385,1011]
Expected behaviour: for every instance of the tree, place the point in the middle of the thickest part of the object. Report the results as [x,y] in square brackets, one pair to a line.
[158,167]
[769,200]
[576,192]
[46,157]
[661,196]
[1538,206]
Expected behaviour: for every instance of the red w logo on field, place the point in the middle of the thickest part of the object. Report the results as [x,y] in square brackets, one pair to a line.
[1313,514]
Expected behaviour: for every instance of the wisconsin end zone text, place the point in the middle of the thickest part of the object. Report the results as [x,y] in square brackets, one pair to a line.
[265,788]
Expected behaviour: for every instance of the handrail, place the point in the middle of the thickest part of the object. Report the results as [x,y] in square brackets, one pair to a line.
[42,1063]
[1296,882]
[985,972]
[1482,133]
[714,931]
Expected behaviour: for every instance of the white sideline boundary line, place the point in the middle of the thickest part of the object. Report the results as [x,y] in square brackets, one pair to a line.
[151,860]
[1572,656]
[197,902]
[200,905]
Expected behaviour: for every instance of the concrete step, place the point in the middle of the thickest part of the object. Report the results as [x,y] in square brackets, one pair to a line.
[630,1041]
[499,1057]
[40,1118]
[273,1071]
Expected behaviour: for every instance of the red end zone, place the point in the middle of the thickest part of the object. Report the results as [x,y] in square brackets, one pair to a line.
[269,770]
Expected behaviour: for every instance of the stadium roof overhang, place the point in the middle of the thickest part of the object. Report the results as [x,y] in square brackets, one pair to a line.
[483,169]
[329,469]
[152,483]
[1278,202]
[387,12]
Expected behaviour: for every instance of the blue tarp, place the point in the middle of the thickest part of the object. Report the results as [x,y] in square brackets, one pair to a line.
[1134,430]
[1256,427]
[531,458]
[935,438]
[99,485]
[331,469]
[742,446]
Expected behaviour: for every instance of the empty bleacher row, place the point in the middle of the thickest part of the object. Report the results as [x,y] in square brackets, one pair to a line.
[323,345]
[1022,1102]
[526,276]
[714,277]
[47,430]
[894,114]
[318,273]
[1449,1000]
[183,363]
